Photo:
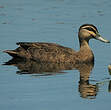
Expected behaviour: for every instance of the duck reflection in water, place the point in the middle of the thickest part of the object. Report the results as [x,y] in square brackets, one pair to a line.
[86,89]
[109,69]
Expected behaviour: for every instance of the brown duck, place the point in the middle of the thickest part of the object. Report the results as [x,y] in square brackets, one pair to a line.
[51,52]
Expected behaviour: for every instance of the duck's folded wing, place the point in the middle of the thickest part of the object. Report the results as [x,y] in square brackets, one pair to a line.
[46,47]
[41,51]
[26,45]
[38,45]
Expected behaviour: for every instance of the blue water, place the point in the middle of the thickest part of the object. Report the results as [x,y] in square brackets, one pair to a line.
[54,21]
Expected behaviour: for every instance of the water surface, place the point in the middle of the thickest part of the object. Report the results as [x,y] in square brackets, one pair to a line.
[54,21]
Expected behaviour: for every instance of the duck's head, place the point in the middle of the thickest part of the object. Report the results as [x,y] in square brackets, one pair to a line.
[89,31]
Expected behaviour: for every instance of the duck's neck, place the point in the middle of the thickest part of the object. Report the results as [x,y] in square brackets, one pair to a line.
[85,51]
[84,45]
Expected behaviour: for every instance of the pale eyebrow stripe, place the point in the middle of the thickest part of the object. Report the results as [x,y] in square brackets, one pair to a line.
[90,29]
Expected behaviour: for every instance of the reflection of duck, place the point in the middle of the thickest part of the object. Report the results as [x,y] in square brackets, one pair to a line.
[86,89]
[50,52]
[109,69]
[42,69]
[109,87]
[31,67]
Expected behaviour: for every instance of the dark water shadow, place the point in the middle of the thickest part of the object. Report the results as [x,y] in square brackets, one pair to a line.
[85,88]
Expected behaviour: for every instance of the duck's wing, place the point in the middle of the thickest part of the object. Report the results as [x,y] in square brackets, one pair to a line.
[40,51]
[47,47]
[21,51]
[26,45]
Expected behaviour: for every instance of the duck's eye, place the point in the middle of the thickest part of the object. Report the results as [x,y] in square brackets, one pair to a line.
[91,29]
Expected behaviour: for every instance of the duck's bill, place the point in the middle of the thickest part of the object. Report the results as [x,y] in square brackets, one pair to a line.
[98,37]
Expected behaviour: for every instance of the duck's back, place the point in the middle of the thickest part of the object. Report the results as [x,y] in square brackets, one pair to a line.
[43,52]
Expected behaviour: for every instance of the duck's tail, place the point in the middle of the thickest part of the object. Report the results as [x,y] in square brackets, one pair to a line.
[11,53]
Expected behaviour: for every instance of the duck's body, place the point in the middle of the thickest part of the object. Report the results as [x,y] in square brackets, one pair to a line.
[51,52]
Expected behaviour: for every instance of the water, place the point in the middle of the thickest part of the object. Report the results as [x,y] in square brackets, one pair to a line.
[54,21]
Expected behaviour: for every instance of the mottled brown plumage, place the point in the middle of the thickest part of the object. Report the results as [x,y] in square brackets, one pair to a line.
[51,52]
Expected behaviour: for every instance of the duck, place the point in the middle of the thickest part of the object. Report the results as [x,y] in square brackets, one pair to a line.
[55,53]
